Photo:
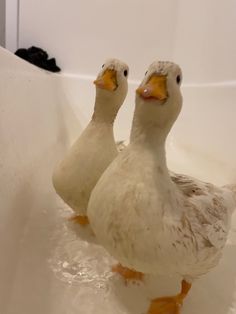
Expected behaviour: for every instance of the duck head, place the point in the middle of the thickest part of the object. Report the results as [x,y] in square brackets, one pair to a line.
[111,87]
[159,98]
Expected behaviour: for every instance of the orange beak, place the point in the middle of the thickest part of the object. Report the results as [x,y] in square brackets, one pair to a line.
[107,81]
[155,88]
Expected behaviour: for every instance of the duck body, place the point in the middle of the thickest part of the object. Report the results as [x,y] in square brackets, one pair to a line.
[77,174]
[79,171]
[179,230]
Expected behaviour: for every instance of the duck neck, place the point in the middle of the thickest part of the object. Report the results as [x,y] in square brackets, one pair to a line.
[147,134]
[105,109]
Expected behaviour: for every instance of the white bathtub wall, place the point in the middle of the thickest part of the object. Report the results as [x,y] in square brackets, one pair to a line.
[34,134]
[197,34]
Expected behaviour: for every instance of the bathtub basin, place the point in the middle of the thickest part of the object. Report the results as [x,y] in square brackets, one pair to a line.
[49,266]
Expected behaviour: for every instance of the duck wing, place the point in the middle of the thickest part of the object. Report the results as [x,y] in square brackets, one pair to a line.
[208,209]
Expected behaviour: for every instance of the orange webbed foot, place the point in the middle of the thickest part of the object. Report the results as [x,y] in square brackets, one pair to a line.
[129,275]
[81,220]
[170,305]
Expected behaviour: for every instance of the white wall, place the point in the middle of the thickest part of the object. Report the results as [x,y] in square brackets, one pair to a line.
[81,34]
[204,40]
[12,25]
[2,22]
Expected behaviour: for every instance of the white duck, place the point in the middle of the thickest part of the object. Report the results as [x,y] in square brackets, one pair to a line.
[149,220]
[76,175]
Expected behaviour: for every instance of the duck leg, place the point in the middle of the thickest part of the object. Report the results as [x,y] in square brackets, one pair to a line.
[79,219]
[128,274]
[170,305]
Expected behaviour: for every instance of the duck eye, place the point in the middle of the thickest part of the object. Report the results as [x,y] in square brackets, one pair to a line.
[125,72]
[146,73]
[103,65]
[178,79]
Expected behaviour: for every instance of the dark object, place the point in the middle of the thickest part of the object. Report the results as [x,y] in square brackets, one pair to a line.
[39,57]
[178,79]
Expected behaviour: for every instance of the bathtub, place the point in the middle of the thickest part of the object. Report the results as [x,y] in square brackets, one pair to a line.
[48,265]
